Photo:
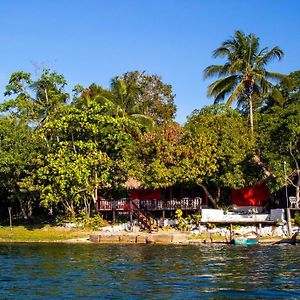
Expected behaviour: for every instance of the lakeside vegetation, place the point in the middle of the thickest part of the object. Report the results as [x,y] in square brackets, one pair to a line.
[58,152]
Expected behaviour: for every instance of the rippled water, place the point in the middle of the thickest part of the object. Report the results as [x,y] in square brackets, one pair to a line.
[49,271]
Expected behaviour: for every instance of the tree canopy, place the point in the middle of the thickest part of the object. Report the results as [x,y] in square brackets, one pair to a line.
[61,153]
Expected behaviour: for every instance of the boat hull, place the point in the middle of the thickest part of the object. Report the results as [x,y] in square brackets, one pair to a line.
[245,241]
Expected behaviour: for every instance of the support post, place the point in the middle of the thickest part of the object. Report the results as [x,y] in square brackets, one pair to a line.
[114,216]
[288,217]
[259,229]
[130,214]
[10,218]
[114,211]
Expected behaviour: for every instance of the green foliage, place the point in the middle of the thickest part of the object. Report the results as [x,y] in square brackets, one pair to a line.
[94,223]
[182,223]
[91,151]
[244,73]
[220,149]
[297,219]
[35,100]
[114,107]
[18,151]
[63,155]
[279,134]
[144,94]
[185,224]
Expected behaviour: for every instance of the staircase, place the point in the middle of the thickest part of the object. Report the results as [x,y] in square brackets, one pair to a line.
[145,218]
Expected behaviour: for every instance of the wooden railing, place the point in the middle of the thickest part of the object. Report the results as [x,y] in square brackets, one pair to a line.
[125,204]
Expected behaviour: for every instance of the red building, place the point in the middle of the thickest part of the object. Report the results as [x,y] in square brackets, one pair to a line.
[256,195]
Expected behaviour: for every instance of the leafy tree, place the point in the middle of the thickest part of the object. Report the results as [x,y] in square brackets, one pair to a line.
[279,134]
[220,151]
[144,94]
[114,107]
[19,84]
[18,148]
[244,74]
[93,151]
[159,154]
[35,100]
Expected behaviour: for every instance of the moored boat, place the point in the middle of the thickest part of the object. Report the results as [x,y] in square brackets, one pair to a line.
[245,241]
[250,238]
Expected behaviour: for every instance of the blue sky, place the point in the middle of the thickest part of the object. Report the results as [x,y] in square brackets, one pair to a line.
[94,40]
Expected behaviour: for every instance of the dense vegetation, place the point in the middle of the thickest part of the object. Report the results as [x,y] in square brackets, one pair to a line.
[58,152]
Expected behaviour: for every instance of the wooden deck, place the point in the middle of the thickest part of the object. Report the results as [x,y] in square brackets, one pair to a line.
[126,204]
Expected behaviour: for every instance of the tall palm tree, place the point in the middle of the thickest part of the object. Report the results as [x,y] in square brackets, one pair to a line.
[244,73]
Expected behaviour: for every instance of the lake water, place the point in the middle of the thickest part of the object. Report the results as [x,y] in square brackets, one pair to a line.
[97,271]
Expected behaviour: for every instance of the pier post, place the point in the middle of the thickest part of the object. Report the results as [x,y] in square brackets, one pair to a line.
[130,215]
[288,217]
[114,211]
[230,233]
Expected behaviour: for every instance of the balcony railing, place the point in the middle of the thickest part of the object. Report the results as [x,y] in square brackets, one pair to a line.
[125,204]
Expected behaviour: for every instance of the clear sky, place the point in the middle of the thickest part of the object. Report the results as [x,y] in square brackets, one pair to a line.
[95,40]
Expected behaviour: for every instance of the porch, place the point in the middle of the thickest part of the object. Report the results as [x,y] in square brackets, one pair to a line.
[150,205]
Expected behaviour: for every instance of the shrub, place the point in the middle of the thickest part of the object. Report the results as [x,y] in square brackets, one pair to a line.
[297,219]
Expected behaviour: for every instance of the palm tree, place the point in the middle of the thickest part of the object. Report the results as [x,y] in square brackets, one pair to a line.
[243,75]
[125,99]
[119,99]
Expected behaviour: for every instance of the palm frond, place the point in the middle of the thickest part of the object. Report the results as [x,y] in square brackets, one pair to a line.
[221,52]
[216,70]
[252,49]
[276,76]
[239,90]
[265,85]
[103,100]
[144,120]
[274,53]
[262,52]
[222,86]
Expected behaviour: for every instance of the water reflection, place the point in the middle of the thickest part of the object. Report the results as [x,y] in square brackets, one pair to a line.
[149,271]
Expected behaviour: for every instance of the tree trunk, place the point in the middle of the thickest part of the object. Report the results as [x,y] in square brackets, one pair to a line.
[251,114]
[87,206]
[214,200]
[258,161]
[69,208]
[298,174]
[22,209]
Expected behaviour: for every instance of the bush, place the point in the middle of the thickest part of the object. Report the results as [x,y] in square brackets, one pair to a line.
[297,219]
[185,224]
[83,221]
[93,223]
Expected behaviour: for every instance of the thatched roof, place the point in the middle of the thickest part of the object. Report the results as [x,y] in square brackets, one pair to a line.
[132,183]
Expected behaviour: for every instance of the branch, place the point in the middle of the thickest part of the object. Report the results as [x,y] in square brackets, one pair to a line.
[291,182]
[294,158]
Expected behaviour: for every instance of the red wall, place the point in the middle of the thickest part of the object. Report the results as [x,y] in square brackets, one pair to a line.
[145,194]
[251,196]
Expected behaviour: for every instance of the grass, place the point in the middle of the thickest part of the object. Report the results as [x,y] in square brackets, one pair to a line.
[46,233]
[207,236]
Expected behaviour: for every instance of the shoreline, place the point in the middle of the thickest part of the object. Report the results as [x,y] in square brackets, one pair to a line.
[63,235]
[143,238]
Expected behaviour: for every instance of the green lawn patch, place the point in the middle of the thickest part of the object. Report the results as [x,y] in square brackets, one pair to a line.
[38,233]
